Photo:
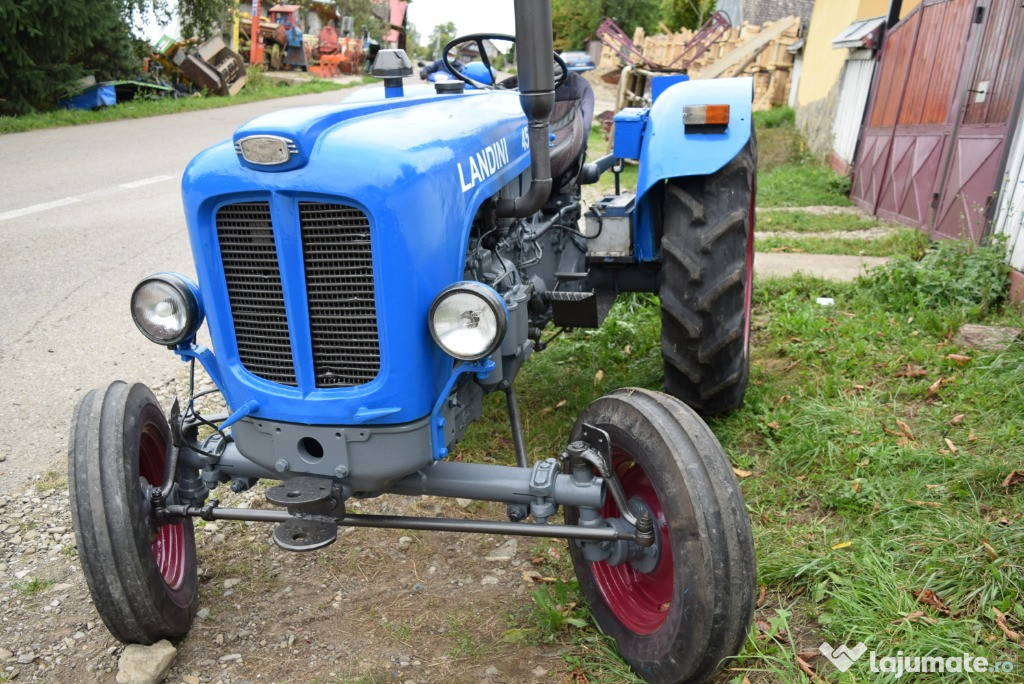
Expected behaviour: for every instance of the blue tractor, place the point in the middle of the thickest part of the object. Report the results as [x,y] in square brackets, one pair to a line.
[368,271]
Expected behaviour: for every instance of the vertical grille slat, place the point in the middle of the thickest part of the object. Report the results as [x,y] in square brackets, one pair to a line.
[249,257]
[340,292]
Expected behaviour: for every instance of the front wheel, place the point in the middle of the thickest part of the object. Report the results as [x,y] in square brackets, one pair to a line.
[142,578]
[675,621]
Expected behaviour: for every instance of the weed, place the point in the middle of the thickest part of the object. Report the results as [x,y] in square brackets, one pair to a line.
[775,117]
[33,587]
[801,184]
[953,274]
[557,608]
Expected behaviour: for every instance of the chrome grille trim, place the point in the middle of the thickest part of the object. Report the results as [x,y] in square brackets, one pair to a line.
[340,294]
[249,257]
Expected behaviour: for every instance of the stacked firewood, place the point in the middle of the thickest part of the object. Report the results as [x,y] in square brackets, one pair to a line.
[747,50]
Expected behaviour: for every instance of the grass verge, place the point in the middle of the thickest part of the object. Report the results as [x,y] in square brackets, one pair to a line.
[257,88]
[877,449]
[903,241]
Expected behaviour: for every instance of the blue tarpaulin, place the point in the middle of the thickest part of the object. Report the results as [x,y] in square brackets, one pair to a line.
[93,97]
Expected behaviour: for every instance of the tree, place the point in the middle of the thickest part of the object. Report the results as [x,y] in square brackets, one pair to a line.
[439,37]
[686,13]
[575,21]
[46,45]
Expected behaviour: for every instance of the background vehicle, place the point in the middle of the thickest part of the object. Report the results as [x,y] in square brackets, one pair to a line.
[578,62]
[369,271]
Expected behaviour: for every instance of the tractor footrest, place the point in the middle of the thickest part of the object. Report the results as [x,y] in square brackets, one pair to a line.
[305,534]
[300,491]
[579,309]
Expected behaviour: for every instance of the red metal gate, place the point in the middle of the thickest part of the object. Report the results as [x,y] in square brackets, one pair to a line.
[929,153]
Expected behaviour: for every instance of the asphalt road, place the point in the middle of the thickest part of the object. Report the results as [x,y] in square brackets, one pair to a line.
[85,213]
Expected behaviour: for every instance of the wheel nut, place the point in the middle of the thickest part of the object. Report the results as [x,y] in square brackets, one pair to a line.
[282,465]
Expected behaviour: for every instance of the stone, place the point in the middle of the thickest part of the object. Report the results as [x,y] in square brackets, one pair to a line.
[404,543]
[145,664]
[489,579]
[203,613]
[491,671]
[232,582]
[987,337]
[504,552]
[190,679]
[27,658]
[5,654]
[230,657]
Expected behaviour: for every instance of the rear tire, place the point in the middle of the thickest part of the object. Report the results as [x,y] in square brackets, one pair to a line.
[678,621]
[708,266]
[143,579]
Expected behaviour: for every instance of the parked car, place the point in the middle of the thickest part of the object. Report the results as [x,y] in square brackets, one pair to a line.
[578,61]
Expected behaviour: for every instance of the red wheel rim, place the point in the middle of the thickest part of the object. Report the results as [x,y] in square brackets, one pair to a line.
[640,601]
[169,545]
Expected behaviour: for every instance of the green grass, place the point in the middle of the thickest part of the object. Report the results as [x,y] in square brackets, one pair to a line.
[906,242]
[857,499]
[257,88]
[796,221]
[800,184]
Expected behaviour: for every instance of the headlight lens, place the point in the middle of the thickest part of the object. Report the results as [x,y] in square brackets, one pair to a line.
[165,309]
[468,320]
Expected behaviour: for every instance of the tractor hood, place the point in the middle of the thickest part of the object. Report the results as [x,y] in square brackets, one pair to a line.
[411,172]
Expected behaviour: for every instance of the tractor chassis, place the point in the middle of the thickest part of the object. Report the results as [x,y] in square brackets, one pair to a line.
[315,507]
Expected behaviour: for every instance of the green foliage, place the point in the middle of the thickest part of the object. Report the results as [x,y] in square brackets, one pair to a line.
[201,18]
[46,45]
[954,275]
[574,21]
[689,14]
[556,608]
[775,117]
[441,35]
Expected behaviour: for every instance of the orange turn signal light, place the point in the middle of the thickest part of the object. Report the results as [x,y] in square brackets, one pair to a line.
[706,115]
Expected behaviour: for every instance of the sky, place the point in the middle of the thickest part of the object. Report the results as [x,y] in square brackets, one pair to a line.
[470,16]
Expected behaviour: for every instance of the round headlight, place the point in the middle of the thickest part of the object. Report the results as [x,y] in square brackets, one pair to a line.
[468,320]
[165,309]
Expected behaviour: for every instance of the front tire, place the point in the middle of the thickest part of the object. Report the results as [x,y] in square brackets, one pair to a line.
[675,622]
[143,579]
[708,267]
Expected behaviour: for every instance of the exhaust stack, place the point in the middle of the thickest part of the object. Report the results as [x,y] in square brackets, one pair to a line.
[537,97]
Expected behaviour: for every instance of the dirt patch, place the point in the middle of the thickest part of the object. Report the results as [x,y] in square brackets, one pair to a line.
[372,607]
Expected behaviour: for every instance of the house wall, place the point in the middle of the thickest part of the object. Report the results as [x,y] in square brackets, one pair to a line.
[818,90]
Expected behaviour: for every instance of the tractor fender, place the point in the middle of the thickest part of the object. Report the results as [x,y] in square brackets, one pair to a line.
[668,150]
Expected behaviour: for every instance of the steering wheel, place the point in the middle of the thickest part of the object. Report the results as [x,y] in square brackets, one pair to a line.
[479,39]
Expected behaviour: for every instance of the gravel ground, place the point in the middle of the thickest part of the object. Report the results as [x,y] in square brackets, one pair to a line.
[378,605]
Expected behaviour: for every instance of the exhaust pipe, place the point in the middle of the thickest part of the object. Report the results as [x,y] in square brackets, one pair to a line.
[537,97]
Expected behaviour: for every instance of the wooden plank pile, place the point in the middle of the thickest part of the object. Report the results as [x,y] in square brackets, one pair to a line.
[747,50]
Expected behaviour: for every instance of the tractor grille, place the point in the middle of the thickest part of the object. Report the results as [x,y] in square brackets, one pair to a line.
[254,289]
[340,291]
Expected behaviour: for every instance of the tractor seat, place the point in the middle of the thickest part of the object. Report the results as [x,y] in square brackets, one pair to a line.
[570,123]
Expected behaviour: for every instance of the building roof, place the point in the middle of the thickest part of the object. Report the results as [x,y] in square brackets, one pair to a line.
[861,33]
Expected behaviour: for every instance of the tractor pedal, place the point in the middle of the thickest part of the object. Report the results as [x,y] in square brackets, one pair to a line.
[300,491]
[305,534]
